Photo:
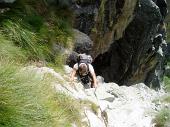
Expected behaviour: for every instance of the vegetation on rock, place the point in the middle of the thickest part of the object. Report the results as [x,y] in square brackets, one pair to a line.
[29,31]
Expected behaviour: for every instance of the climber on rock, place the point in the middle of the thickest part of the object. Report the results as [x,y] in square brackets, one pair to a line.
[84,71]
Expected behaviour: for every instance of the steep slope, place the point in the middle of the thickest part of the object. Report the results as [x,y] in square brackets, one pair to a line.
[109,105]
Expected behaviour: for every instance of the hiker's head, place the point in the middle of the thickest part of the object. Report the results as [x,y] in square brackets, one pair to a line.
[82,68]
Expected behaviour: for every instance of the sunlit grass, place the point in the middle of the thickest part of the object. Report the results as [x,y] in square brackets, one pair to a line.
[29,33]
[9,52]
[26,100]
[163,118]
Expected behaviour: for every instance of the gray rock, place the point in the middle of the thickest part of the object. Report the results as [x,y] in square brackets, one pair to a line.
[103,21]
[85,12]
[82,42]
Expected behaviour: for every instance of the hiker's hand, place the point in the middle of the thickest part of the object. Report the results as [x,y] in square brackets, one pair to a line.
[94,86]
[73,73]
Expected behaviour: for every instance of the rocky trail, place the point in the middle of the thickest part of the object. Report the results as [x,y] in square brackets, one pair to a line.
[115,106]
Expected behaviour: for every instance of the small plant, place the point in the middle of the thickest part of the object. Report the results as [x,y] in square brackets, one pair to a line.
[167,83]
[90,104]
[94,108]
[162,118]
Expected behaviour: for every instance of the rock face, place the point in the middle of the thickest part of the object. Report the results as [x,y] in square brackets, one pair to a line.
[103,20]
[109,105]
[126,56]
[127,48]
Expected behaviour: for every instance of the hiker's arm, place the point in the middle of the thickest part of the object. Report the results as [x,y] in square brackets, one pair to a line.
[73,73]
[91,69]
[94,80]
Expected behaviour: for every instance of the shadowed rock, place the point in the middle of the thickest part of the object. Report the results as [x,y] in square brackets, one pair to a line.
[132,57]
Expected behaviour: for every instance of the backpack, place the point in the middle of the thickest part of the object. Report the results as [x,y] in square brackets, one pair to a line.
[83,58]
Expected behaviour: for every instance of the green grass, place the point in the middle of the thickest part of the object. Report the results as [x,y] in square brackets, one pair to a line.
[25,100]
[167,99]
[29,31]
[37,26]
[168,32]
[167,83]
[8,51]
[162,118]
[91,105]
[25,39]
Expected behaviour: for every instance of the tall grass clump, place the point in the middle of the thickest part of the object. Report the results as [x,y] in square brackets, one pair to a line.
[10,52]
[26,100]
[38,26]
[30,30]
[25,39]
[162,118]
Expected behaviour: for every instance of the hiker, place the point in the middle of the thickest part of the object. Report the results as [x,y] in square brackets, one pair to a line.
[84,71]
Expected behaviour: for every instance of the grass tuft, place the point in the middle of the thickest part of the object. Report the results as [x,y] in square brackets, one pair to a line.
[162,118]
[9,52]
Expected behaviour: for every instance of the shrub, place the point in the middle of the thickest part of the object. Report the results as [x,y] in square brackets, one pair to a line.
[162,118]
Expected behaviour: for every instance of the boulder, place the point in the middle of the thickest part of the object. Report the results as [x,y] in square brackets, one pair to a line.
[82,44]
